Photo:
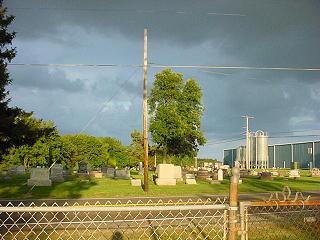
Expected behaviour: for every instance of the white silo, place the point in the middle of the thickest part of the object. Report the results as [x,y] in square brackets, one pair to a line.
[261,150]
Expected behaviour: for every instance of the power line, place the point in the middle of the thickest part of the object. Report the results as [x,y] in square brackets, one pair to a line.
[297,131]
[72,65]
[153,65]
[296,136]
[226,141]
[106,103]
[234,67]
[139,11]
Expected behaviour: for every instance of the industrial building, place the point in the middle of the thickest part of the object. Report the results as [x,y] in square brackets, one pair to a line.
[262,155]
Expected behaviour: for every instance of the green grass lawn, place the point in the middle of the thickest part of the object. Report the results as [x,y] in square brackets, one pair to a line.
[16,188]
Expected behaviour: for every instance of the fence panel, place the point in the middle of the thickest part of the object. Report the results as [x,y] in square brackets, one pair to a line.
[286,220]
[128,220]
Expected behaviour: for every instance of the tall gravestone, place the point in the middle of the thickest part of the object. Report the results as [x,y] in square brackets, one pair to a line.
[140,168]
[83,168]
[220,175]
[57,173]
[39,177]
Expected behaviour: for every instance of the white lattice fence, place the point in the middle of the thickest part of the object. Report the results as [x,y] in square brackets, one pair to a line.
[200,219]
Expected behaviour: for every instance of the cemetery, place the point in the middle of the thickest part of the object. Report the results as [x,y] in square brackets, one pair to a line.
[167,179]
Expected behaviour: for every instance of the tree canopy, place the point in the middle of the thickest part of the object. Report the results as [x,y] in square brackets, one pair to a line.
[176,111]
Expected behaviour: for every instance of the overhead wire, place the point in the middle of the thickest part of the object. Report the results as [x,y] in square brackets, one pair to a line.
[73,65]
[139,11]
[153,65]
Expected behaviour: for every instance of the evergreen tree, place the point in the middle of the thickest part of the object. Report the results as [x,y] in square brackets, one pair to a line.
[7,53]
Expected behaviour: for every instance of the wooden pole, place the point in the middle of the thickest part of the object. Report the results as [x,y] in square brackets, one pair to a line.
[233,202]
[145,111]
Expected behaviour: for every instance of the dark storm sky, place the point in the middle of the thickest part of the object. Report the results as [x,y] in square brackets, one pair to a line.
[234,33]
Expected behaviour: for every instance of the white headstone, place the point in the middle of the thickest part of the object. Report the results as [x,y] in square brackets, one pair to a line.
[190,176]
[220,175]
[165,174]
[190,181]
[294,173]
[135,182]
[165,171]
[39,177]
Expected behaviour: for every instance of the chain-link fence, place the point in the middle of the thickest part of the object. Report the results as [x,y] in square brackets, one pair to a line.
[277,220]
[152,219]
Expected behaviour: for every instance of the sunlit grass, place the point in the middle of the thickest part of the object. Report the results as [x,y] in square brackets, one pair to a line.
[74,187]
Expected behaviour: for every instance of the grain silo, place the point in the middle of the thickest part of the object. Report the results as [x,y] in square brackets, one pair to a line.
[261,150]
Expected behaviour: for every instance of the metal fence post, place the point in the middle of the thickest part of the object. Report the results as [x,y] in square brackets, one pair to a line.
[233,202]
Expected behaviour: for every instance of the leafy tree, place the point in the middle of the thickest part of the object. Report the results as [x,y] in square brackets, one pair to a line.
[118,152]
[87,148]
[44,152]
[135,150]
[176,111]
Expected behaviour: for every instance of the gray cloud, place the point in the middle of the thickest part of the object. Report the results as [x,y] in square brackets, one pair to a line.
[43,79]
[272,33]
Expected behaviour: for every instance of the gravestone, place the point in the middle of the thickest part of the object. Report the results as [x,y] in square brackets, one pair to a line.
[122,174]
[215,182]
[244,173]
[83,167]
[165,175]
[136,182]
[109,172]
[57,173]
[220,175]
[104,169]
[253,173]
[178,173]
[190,178]
[21,169]
[96,174]
[294,174]
[203,173]
[265,176]
[315,172]
[39,177]
[17,169]
[140,168]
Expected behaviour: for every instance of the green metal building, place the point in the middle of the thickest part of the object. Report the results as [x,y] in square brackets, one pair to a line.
[307,154]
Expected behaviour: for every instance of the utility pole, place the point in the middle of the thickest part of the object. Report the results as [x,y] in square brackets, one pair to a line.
[145,112]
[248,148]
